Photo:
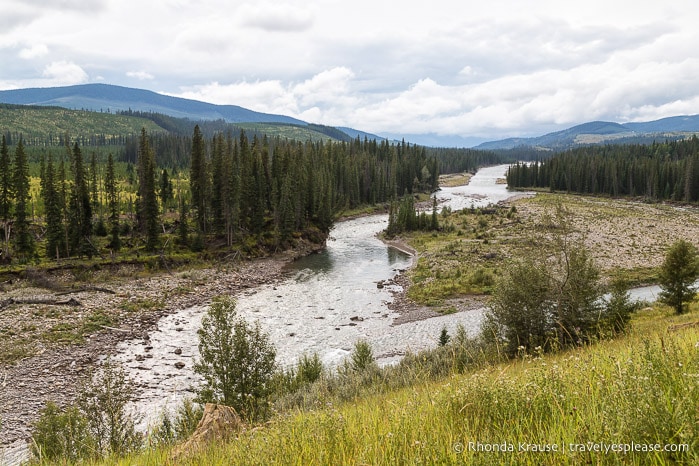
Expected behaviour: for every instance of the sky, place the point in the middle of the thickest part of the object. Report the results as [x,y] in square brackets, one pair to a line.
[476,70]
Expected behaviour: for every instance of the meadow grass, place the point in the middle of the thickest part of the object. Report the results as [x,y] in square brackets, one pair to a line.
[640,389]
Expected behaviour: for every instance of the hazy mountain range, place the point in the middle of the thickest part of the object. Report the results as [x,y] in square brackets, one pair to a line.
[110,98]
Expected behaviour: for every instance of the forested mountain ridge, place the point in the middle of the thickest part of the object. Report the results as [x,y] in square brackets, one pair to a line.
[605,132]
[110,98]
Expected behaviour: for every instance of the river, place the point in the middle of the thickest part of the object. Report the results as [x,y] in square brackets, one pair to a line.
[330,301]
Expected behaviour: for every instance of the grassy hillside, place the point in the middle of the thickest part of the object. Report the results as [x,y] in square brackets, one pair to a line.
[44,125]
[285,131]
[637,393]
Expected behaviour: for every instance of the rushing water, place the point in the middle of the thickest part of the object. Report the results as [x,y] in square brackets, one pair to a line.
[329,302]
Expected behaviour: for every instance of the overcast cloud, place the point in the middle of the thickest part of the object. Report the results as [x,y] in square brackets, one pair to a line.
[472,69]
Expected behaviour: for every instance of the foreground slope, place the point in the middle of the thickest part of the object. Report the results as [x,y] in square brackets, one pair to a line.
[632,400]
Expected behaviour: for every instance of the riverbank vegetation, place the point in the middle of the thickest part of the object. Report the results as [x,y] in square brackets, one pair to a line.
[250,196]
[627,240]
[464,403]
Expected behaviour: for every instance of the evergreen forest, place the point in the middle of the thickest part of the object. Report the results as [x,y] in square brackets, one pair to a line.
[162,192]
[655,172]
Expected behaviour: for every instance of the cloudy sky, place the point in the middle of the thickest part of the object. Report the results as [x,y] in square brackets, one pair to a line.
[485,69]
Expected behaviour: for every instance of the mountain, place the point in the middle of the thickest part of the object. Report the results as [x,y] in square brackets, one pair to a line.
[110,98]
[602,132]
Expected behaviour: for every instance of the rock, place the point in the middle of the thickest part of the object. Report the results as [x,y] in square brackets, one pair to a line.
[179,329]
[217,424]
[178,351]
[292,334]
[357,319]
[140,357]
[179,365]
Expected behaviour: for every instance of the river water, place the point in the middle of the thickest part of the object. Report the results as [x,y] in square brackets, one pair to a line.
[328,303]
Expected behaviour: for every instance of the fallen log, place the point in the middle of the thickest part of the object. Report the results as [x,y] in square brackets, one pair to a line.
[40,300]
[87,288]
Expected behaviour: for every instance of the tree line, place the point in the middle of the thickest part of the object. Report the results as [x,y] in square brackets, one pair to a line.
[259,190]
[660,171]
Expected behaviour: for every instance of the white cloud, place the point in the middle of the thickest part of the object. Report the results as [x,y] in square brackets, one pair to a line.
[35,51]
[140,75]
[63,73]
[262,96]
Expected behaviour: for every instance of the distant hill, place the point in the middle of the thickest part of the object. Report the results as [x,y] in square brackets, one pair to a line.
[46,126]
[110,98]
[603,132]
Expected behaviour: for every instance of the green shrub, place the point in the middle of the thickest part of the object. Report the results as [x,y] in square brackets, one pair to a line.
[103,401]
[62,434]
[177,428]
[96,425]
[237,361]
[362,357]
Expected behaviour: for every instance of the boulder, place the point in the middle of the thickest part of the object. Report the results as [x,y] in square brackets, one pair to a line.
[218,423]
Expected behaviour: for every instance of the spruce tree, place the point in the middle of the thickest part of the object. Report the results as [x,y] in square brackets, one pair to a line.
[148,212]
[80,208]
[198,178]
[165,189]
[5,197]
[24,245]
[55,239]
[113,204]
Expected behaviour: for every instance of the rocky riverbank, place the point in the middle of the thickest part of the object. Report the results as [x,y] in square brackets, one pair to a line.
[48,347]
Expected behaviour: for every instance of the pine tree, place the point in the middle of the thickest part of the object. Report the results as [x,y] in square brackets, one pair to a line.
[5,197]
[233,190]
[218,183]
[148,212]
[165,191]
[198,180]
[434,224]
[80,208]
[24,245]
[678,274]
[55,239]
[94,187]
[113,204]
[63,199]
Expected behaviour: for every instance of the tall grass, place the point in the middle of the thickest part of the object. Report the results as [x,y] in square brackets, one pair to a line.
[639,390]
